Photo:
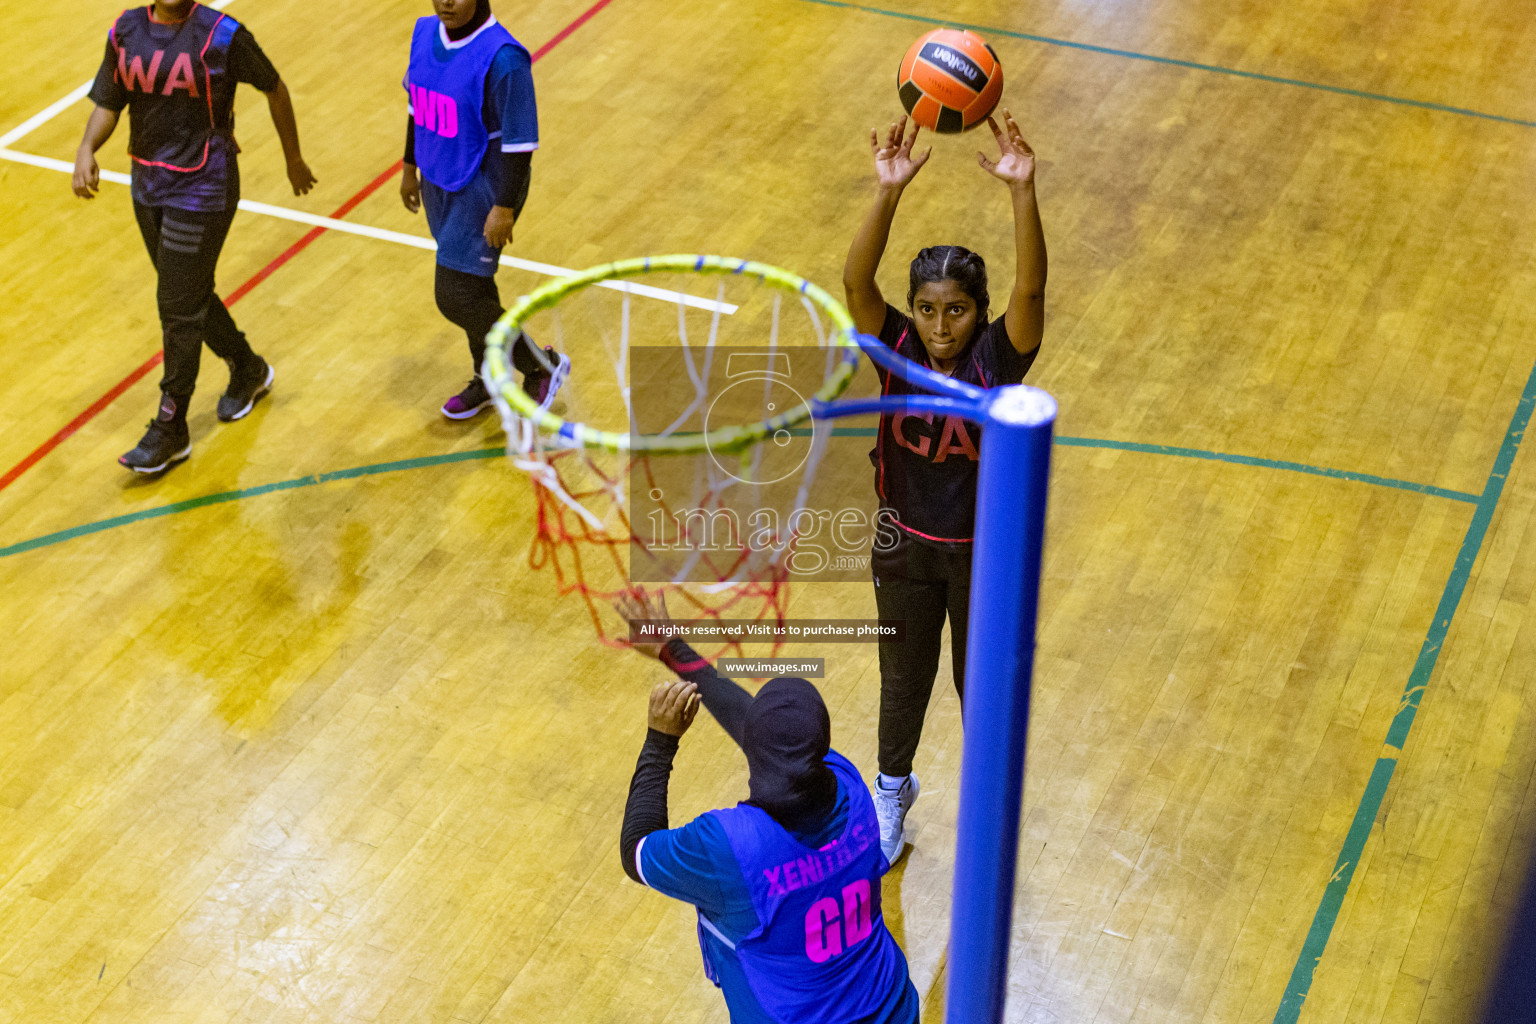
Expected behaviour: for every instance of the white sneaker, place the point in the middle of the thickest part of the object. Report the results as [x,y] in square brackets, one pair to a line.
[891,809]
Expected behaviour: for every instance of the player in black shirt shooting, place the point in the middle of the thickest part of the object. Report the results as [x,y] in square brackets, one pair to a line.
[925,470]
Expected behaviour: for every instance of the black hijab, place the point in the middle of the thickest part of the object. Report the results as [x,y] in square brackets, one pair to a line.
[787,737]
[481,16]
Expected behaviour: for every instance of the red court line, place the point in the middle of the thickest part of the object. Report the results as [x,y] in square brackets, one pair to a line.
[303,243]
[261,275]
[581,19]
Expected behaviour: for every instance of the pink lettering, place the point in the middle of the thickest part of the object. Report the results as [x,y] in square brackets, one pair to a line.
[435,112]
[791,880]
[858,920]
[822,938]
[181,76]
[429,102]
[774,888]
[955,440]
[810,869]
[447,117]
[134,77]
[901,437]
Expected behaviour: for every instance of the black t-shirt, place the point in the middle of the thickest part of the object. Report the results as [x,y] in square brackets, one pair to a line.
[925,468]
[169,120]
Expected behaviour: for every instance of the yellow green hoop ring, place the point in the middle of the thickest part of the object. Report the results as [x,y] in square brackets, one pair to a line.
[498,368]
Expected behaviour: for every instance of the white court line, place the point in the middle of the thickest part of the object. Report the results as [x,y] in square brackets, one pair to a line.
[37,120]
[53,110]
[41,118]
[385,235]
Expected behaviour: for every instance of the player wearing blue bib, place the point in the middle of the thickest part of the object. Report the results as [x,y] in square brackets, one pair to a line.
[470,136]
[787,883]
[925,465]
[174,66]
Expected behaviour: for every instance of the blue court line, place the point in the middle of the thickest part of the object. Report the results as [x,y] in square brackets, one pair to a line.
[1408,707]
[59,537]
[1173,62]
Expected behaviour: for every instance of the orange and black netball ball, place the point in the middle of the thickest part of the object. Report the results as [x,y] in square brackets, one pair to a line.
[950,80]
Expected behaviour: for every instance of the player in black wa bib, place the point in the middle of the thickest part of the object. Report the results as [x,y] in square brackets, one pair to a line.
[175,65]
[925,465]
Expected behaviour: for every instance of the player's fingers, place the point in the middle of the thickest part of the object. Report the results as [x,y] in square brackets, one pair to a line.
[1013,126]
[677,696]
[986,164]
[992,123]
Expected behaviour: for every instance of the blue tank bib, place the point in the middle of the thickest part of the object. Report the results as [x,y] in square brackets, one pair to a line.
[821,953]
[446,82]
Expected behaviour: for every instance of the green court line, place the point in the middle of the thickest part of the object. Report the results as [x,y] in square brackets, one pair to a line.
[1250,460]
[59,537]
[1408,707]
[49,539]
[1174,62]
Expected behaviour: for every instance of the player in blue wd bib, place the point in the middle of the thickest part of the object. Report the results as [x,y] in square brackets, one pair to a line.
[787,883]
[469,143]
[174,65]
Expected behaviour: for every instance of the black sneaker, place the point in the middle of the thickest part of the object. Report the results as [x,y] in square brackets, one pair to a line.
[468,402]
[541,385]
[164,444]
[245,389]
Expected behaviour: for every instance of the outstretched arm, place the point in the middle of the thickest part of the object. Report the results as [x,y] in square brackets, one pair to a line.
[1015,166]
[87,177]
[895,167]
[281,106]
[724,699]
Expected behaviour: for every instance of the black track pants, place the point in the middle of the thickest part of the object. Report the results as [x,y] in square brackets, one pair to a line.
[921,584]
[473,303]
[184,247]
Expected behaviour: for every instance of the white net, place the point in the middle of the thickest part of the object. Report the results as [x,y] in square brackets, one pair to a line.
[680,450]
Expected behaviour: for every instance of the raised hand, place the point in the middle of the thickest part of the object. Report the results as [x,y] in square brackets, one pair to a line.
[1015,163]
[638,606]
[895,165]
[673,707]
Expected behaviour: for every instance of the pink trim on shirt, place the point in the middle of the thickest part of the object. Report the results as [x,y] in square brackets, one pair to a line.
[207,94]
[929,536]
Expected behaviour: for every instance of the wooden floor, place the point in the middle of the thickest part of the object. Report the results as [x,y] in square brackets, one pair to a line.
[333,752]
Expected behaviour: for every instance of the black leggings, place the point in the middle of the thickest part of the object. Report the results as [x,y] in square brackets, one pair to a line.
[918,583]
[184,247]
[473,303]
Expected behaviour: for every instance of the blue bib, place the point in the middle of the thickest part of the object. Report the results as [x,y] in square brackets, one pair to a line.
[446,82]
[821,952]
